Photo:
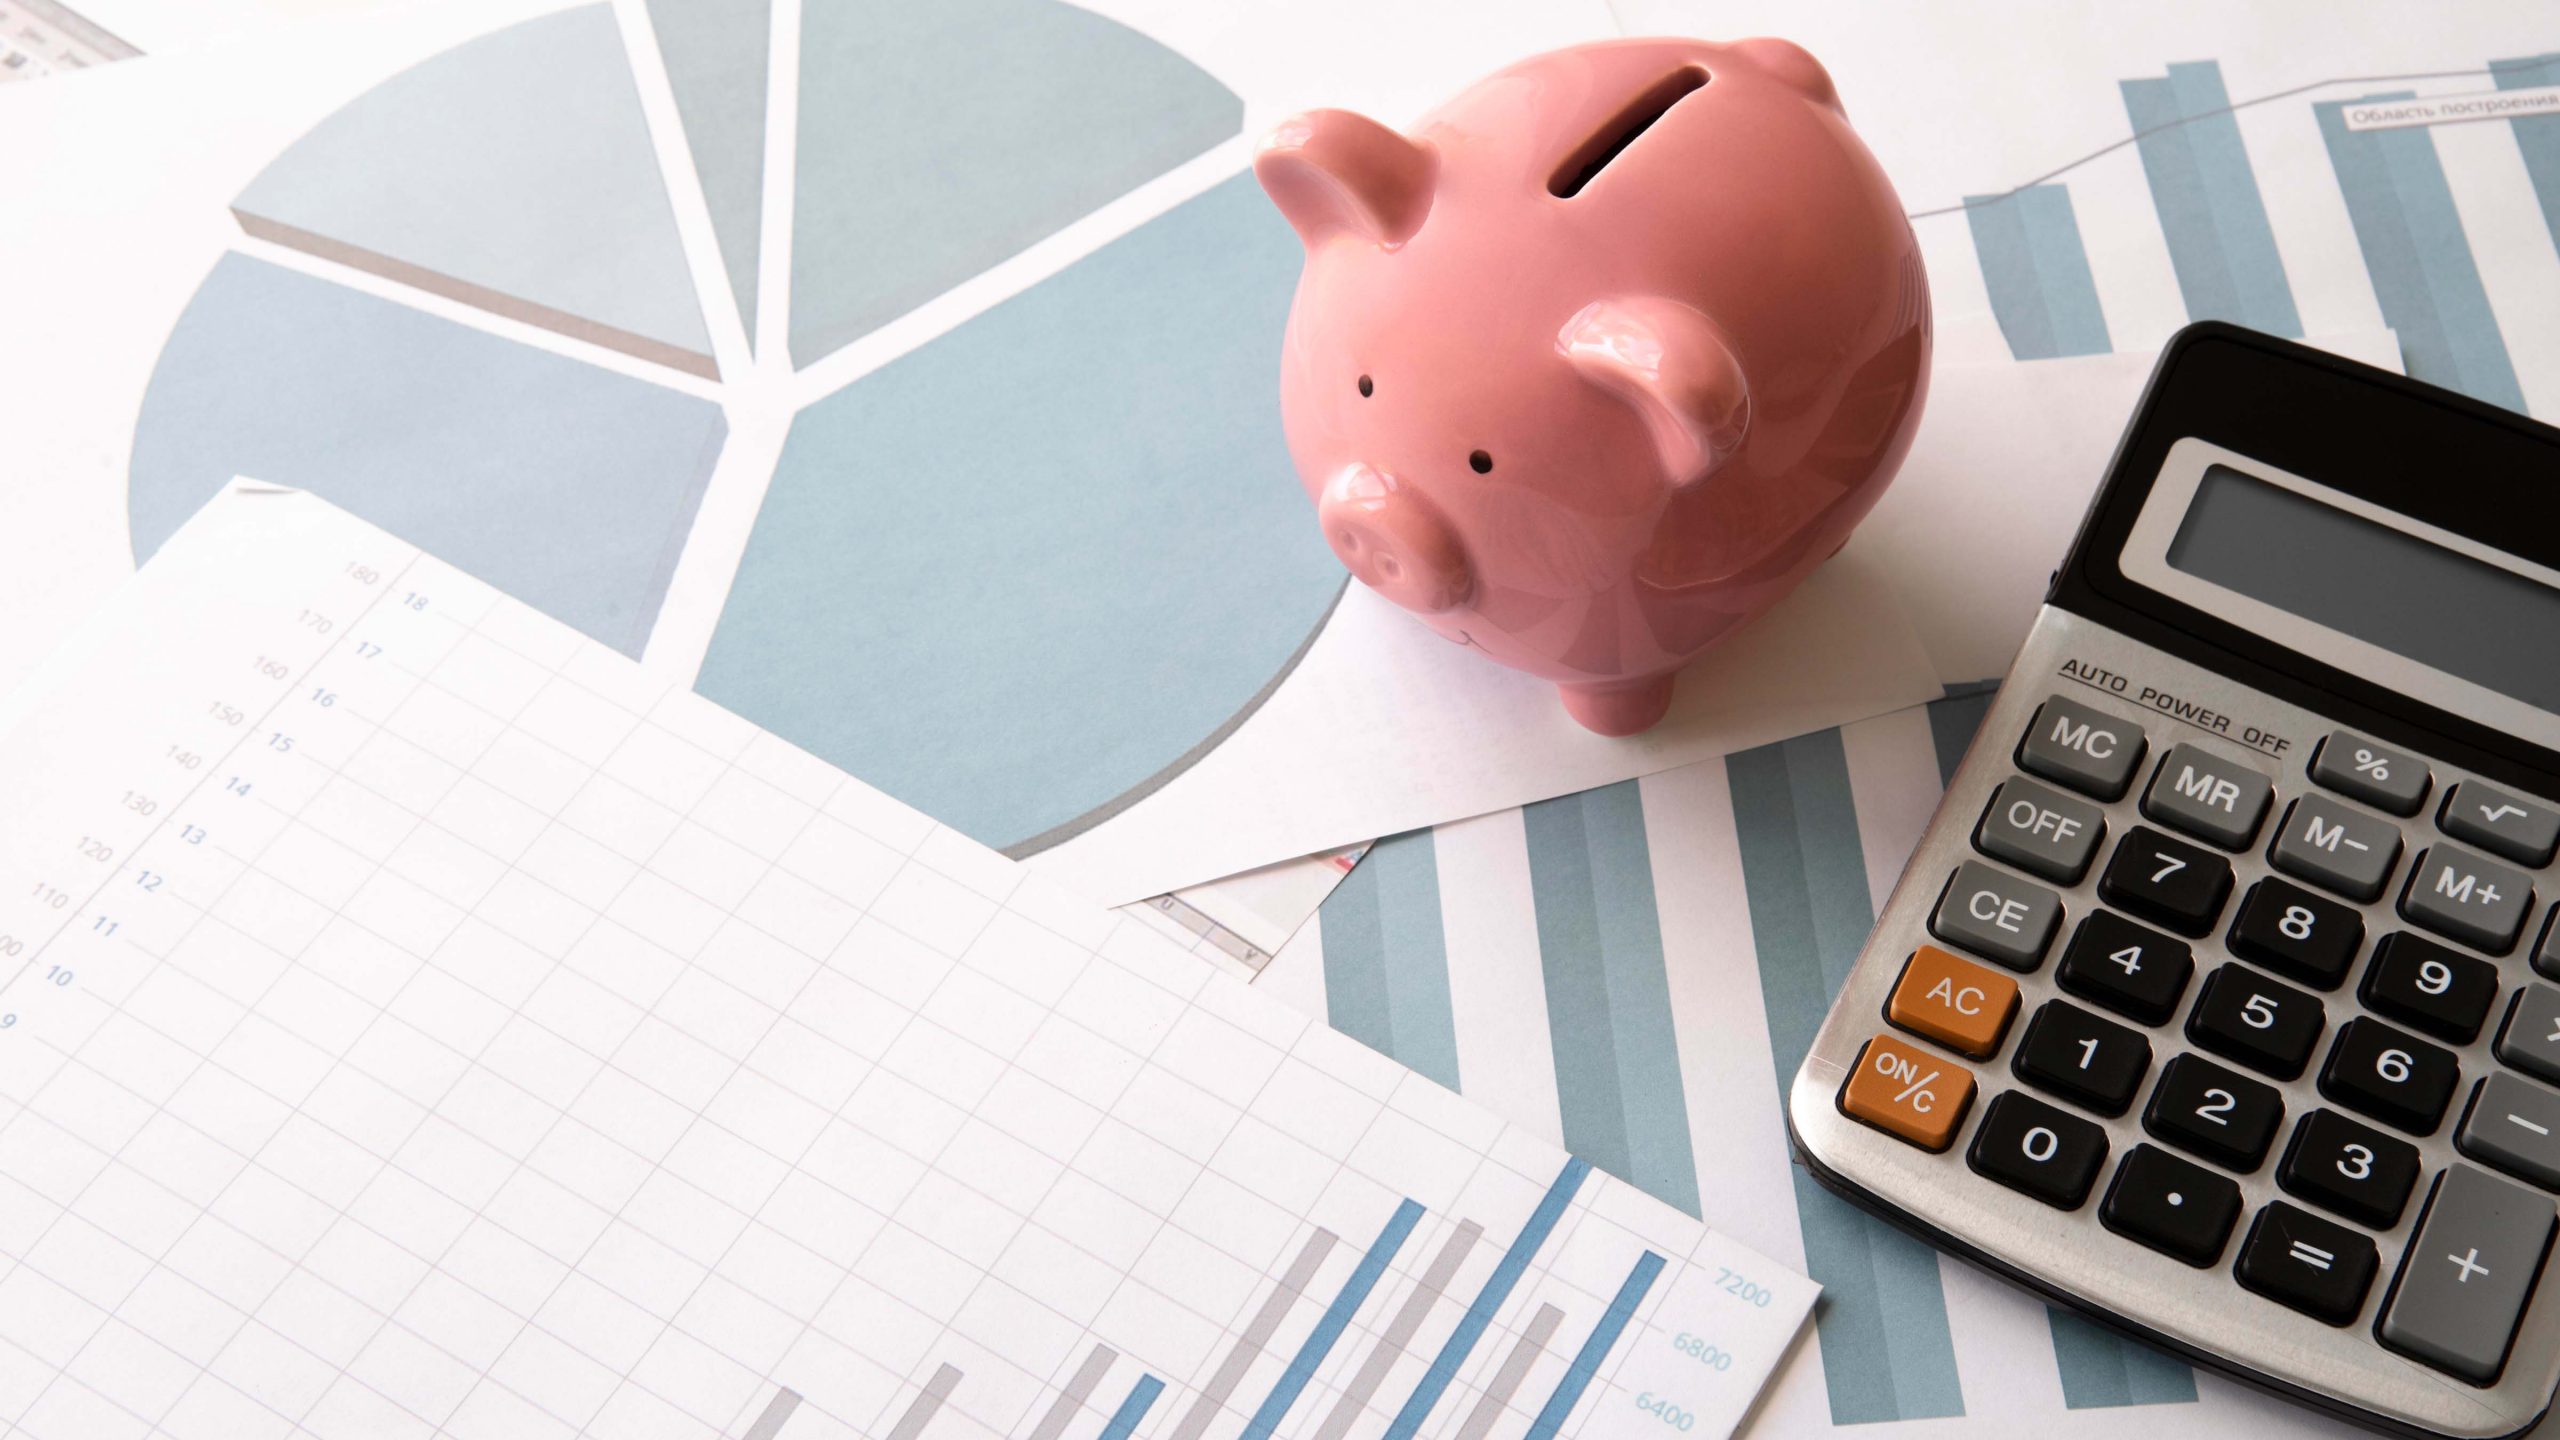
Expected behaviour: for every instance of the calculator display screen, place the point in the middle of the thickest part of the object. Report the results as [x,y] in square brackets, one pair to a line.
[2460,615]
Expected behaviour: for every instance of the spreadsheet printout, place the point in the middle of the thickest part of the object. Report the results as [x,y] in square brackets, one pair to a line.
[416,1019]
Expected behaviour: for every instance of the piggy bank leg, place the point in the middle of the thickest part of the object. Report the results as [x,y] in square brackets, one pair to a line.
[1621,707]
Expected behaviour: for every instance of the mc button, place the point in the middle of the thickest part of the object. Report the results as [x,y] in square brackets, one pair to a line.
[1908,1092]
[1954,1002]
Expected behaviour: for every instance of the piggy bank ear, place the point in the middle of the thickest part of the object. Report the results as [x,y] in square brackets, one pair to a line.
[1786,60]
[1669,363]
[1334,173]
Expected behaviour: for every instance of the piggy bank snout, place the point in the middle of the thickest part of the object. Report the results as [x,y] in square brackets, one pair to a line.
[1394,540]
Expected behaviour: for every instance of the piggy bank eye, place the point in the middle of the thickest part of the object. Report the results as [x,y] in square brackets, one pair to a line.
[1365,387]
[1480,462]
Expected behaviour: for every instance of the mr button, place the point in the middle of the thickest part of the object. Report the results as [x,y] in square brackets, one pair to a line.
[1908,1092]
[1954,1002]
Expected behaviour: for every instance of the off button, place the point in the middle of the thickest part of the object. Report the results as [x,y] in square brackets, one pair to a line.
[1955,1002]
[1908,1092]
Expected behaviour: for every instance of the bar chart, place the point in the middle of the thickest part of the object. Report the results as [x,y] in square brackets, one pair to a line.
[510,1043]
[1567,1371]
[2413,200]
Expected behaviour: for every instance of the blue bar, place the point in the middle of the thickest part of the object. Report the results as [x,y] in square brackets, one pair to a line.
[1386,961]
[2538,136]
[1604,1336]
[2207,197]
[2028,243]
[1497,1288]
[1319,1341]
[1618,1082]
[1887,1353]
[2418,256]
[1124,1420]
[2103,1370]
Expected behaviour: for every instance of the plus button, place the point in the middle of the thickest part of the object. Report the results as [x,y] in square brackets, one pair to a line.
[2467,1265]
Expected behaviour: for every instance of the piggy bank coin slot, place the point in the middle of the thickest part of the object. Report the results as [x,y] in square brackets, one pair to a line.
[1594,154]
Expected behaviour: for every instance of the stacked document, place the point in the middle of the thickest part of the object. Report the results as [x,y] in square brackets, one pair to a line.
[419,1019]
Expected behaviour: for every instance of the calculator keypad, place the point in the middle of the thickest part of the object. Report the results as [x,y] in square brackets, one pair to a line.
[2264,1024]
[2297,934]
[2174,1206]
[2348,1167]
[2469,1270]
[2336,847]
[2392,1076]
[1997,916]
[2083,747]
[2041,831]
[2168,882]
[2530,1037]
[2514,1126]
[2220,1114]
[2316,1266]
[2384,778]
[2501,822]
[2431,987]
[1954,1002]
[2038,1149]
[2478,902]
[2131,969]
[2075,1054]
[2364,969]
[2207,796]
[1904,1090]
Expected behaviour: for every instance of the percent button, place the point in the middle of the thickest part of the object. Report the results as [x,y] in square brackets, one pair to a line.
[1908,1092]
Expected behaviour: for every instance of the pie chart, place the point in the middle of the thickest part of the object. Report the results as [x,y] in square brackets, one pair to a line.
[1017,574]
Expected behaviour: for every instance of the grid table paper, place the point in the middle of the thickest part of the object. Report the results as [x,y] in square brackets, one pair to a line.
[417,1019]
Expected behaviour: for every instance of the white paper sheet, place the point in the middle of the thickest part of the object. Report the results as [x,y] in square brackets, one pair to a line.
[447,1026]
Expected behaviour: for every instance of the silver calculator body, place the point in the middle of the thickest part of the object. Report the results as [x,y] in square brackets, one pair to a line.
[2221,1000]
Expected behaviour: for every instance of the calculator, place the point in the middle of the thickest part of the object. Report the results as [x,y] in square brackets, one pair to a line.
[2221,1000]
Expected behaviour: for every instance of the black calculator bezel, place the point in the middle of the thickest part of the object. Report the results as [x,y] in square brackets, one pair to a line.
[2453,462]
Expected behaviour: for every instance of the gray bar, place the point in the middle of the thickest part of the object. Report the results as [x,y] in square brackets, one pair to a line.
[769,1424]
[927,1405]
[1507,1379]
[1071,1399]
[1399,1331]
[1257,1333]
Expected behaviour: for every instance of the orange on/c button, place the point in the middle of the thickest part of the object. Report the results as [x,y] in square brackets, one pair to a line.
[1908,1092]
[1955,1002]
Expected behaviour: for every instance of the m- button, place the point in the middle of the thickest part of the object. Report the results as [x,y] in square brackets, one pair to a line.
[2208,797]
[1954,1002]
[2336,846]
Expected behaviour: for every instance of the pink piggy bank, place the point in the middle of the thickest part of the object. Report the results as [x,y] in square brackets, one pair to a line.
[1604,358]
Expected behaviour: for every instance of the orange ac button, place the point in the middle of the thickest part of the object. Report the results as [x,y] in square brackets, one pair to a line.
[1955,1002]
[1908,1092]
